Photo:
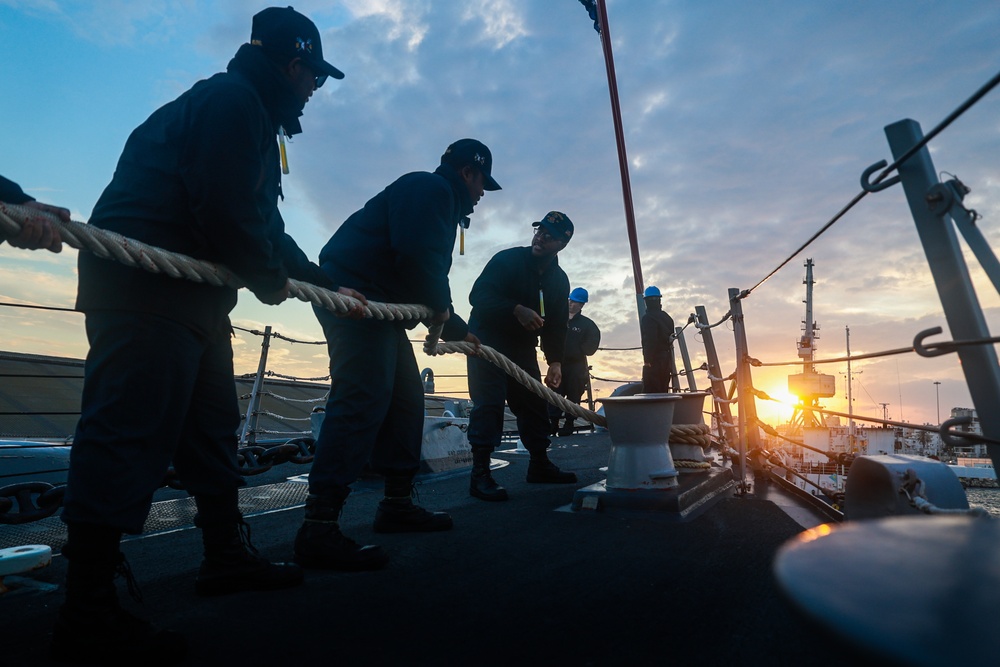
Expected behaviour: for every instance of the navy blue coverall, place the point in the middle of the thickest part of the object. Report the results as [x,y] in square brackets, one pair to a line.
[657,330]
[12,193]
[397,249]
[200,176]
[583,337]
[511,278]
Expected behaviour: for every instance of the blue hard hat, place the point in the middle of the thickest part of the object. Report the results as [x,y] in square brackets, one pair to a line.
[652,290]
[579,295]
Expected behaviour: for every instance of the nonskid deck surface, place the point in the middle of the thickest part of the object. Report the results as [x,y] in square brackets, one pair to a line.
[526,582]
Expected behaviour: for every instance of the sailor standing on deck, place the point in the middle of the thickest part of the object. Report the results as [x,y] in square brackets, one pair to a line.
[582,340]
[396,249]
[520,295]
[200,176]
[36,233]
[657,331]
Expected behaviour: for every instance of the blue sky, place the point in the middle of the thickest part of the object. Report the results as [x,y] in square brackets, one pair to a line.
[747,126]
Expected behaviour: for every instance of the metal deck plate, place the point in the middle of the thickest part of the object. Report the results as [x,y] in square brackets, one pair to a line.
[164,516]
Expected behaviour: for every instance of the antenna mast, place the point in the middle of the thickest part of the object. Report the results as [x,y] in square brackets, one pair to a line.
[809,385]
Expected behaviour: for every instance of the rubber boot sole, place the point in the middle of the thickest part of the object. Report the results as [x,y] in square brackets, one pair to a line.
[499,496]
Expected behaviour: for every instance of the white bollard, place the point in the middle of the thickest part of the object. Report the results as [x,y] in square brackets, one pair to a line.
[639,427]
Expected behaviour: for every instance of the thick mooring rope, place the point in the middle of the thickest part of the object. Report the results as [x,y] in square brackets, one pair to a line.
[114,246]
[691,434]
[139,255]
[518,373]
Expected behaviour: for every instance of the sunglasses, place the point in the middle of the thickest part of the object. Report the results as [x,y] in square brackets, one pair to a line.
[318,79]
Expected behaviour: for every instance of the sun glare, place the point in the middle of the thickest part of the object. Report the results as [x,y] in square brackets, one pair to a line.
[778,411]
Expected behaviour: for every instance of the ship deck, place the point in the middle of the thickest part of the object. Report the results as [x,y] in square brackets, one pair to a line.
[526,582]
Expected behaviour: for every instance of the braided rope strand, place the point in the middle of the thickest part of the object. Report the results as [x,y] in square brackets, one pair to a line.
[111,245]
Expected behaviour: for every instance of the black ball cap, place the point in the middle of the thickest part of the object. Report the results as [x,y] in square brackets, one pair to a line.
[471,151]
[282,31]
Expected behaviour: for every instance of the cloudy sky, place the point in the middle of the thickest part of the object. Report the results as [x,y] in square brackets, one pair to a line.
[747,126]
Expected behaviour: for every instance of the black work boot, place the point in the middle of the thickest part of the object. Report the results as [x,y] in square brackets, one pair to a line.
[567,429]
[543,471]
[398,514]
[231,562]
[91,627]
[482,485]
[320,544]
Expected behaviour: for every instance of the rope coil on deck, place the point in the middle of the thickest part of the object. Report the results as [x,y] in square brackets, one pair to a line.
[691,434]
[111,245]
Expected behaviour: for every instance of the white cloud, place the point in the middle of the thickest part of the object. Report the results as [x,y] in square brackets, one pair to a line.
[502,23]
[403,18]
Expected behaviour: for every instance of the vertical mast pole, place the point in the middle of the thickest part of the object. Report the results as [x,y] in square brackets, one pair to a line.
[609,62]
[807,348]
[808,325]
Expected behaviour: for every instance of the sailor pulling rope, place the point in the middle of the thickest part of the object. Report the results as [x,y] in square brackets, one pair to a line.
[114,246]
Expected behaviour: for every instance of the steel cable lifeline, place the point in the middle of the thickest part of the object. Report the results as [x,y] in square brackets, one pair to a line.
[275,334]
[837,457]
[775,459]
[698,325]
[942,429]
[286,399]
[931,350]
[111,245]
[855,357]
[321,378]
[870,186]
[36,307]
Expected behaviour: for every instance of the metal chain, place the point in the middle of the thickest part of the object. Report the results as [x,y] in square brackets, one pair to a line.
[25,502]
